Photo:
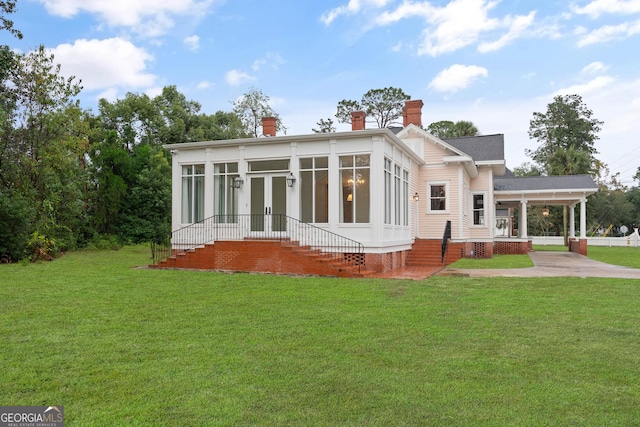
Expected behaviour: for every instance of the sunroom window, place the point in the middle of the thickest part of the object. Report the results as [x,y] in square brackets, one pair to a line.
[225,195]
[355,188]
[314,189]
[192,194]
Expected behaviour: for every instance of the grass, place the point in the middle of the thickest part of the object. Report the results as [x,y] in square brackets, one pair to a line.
[550,248]
[497,261]
[616,255]
[629,257]
[120,346]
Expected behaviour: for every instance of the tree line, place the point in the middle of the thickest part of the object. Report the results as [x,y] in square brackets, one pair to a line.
[72,178]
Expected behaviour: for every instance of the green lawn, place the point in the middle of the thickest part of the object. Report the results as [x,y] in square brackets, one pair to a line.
[629,257]
[497,261]
[118,346]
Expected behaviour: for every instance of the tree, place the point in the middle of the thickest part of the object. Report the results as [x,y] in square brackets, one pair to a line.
[441,129]
[609,207]
[566,129]
[7,7]
[325,126]
[465,128]
[251,108]
[527,169]
[567,135]
[448,129]
[569,161]
[43,153]
[384,105]
[130,190]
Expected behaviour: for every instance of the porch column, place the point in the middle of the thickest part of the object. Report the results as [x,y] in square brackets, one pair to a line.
[523,219]
[572,221]
[583,218]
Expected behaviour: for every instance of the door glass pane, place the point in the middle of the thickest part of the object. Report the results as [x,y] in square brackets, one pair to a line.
[362,196]
[198,202]
[187,201]
[306,196]
[257,204]
[322,196]
[279,203]
[347,196]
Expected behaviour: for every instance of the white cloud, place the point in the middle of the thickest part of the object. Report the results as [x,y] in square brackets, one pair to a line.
[154,91]
[594,68]
[271,60]
[110,95]
[610,32]
[601,7]
[594,86]
[351,8]
[236,77]
[192,42]
[458,24]
[146,17]
[105,64]
[204,85]
[457,77]
[397,48]
[518,26]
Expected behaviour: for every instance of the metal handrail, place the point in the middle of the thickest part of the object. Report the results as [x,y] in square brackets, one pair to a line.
[280,227]
[445,239]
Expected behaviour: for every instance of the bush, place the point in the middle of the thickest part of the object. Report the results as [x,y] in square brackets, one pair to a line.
[41,248]
[16,217]
[104,241]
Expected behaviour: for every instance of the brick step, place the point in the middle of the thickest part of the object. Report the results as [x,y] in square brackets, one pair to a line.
[271,256]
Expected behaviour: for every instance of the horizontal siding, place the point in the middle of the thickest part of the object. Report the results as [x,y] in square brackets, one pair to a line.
[431,225]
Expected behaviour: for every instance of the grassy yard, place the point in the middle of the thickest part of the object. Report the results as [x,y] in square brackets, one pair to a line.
[625,256]
[118,346]
[497,261]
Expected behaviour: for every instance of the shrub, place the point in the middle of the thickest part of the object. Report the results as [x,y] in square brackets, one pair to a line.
[16,217]
[40,247]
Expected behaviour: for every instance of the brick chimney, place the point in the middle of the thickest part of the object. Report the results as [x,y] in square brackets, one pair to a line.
[412,113]
[358,120]
[269,126]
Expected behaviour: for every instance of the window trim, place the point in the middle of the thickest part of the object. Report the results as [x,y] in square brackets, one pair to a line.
[195,207]
[313,171]
[484,209]
[447,198]
[353,168]
[230,214]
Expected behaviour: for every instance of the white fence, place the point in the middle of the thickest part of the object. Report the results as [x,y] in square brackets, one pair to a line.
[632,240]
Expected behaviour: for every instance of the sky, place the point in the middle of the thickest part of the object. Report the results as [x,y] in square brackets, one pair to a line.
[491,62]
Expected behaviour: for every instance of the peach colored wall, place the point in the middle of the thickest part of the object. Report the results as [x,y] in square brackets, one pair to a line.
[432,224]
[480,184]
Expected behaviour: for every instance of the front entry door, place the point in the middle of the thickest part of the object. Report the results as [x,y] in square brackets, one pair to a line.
[268,204]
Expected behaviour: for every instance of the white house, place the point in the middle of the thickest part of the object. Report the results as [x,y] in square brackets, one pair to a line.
[381,190]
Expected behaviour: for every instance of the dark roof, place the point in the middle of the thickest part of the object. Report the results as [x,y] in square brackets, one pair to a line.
[480,148]
[508,173]
[395,129]
[528,183]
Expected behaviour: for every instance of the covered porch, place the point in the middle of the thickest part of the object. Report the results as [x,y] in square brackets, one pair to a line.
[514,196]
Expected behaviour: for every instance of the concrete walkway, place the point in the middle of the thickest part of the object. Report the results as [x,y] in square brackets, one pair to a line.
[554,264]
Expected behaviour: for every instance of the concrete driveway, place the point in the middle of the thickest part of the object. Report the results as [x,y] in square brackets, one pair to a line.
[554,264]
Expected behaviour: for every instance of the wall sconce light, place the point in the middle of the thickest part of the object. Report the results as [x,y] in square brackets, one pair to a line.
[416,197]
[237,182]
[350,197]
[291,180]
[545,211]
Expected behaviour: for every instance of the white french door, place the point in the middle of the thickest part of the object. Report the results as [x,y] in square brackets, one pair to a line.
[268,204]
